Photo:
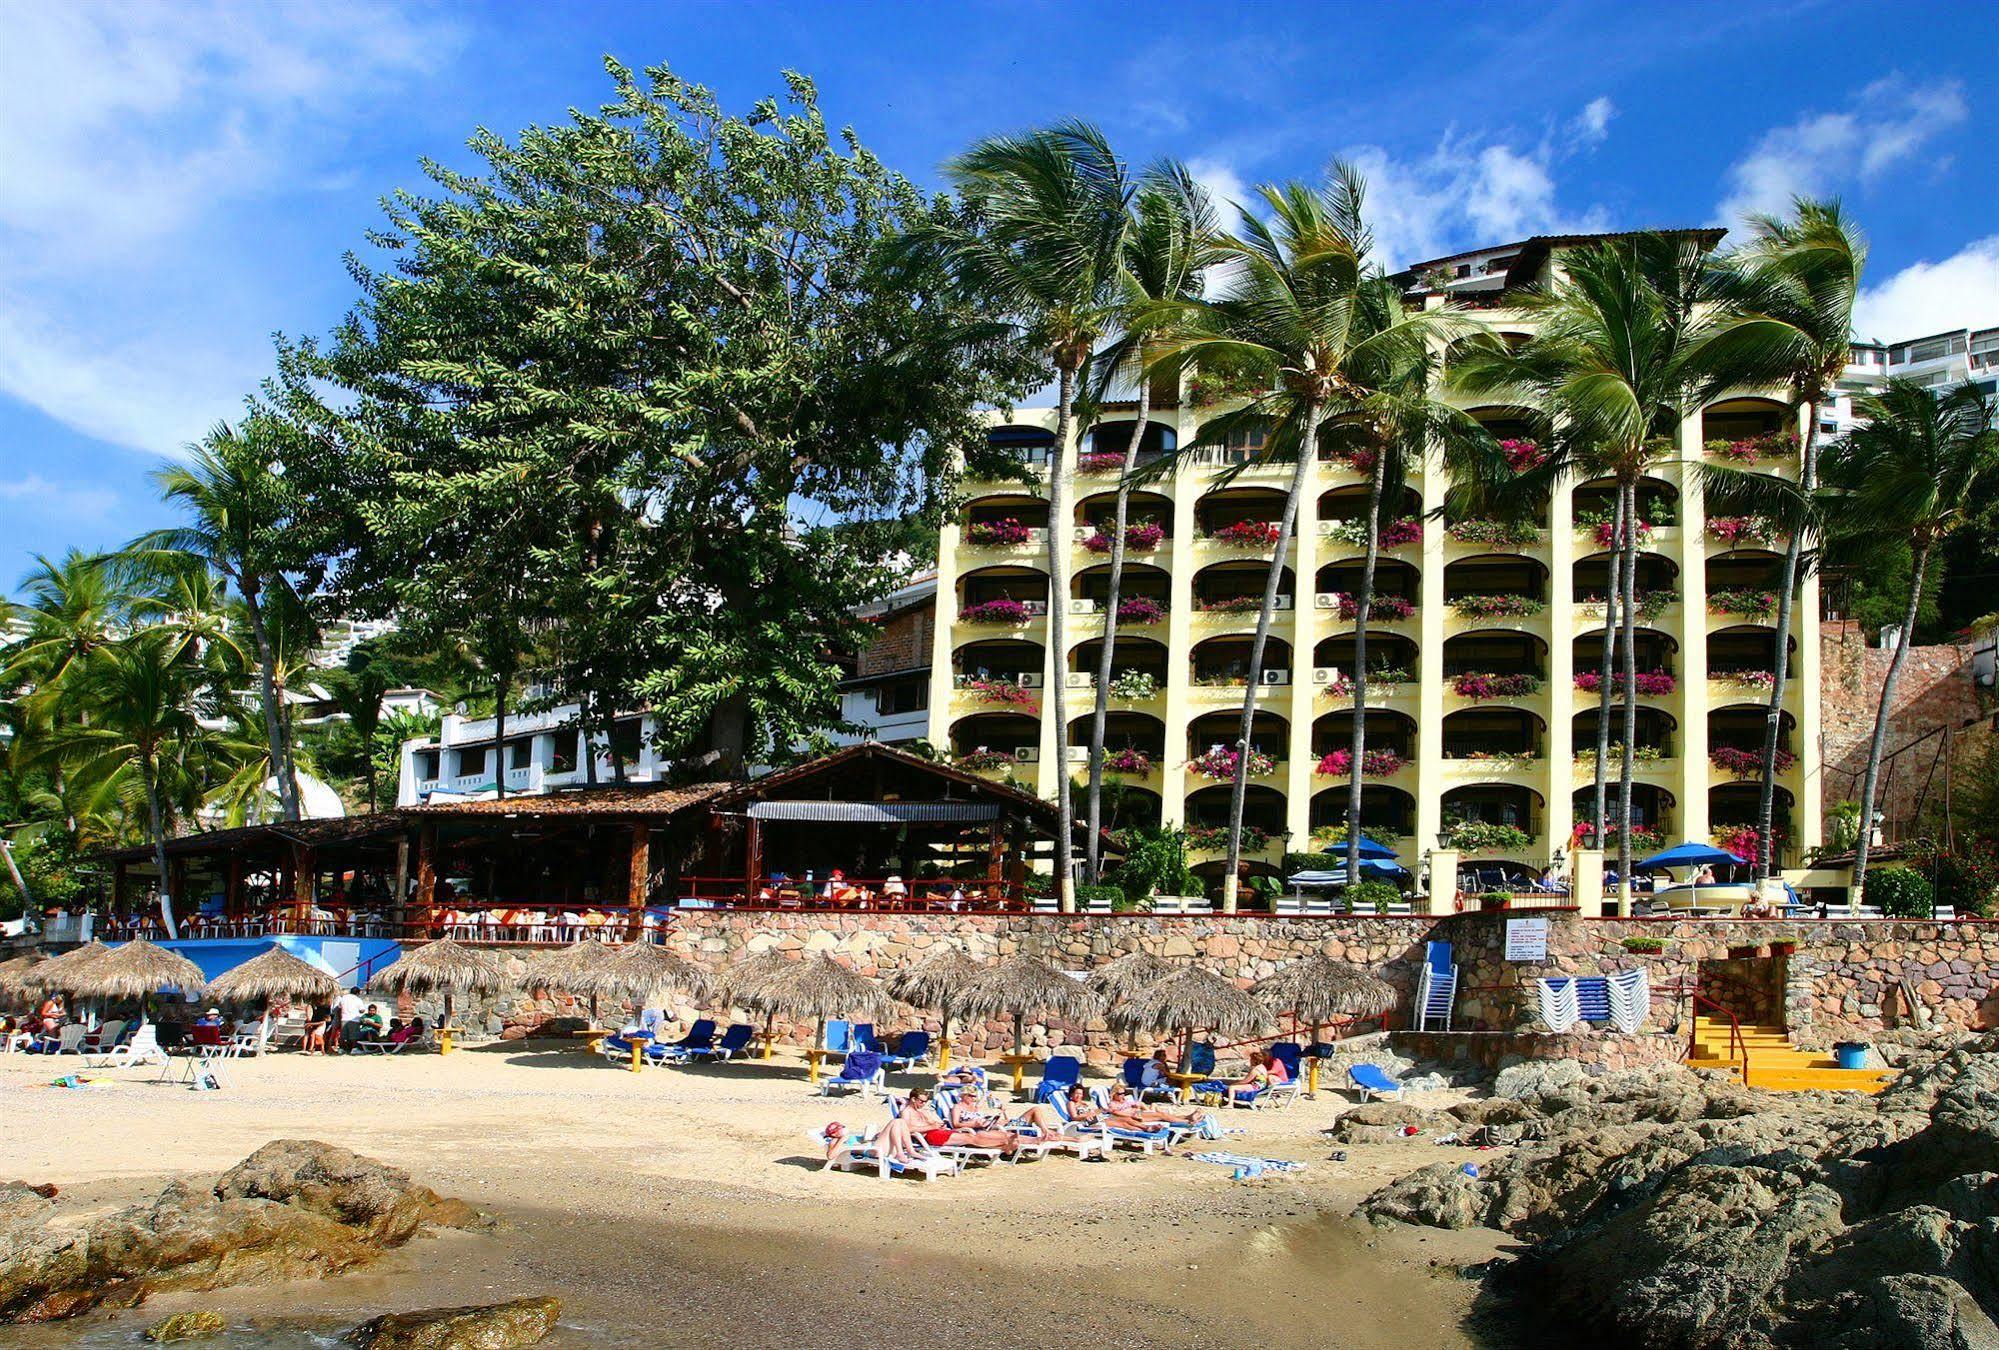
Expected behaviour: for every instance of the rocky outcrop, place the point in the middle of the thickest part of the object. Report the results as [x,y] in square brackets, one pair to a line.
[185,1326]
[338,1211]
[497,1326]
[1693,1213]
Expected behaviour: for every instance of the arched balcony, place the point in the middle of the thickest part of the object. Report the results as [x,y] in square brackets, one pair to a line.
[1227,510]
[1238,587]
[1243,442]
[1595,504]
[1224,661]
[1492,818]
[1132,655]
[1006,660]
[1105,445]
[1651,814]
[1386,814]
[1654,652]
[1002,594]
[986,518]
[1132,732]
[1147,514]
[1021,445]
[1494,734]
[1262,809]
[1654,741]
[1397,588]
[1496,653]
[1269,734]
[1501,587]
[1141,581]
[1504,423]
[1732,423]
[997,734]
[1391,658]
[1343,510]
[1127,806]
[1733,813]
[1746,650]
[1746,584]
[1386,730]
[1654,576]
[1735,741]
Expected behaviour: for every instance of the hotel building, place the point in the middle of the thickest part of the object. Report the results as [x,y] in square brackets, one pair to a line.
[1485,646]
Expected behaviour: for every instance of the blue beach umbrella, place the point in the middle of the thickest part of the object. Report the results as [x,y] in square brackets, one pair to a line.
[1690,854]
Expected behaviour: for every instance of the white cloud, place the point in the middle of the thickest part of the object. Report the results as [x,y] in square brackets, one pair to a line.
[131,138]
[1889,122]
[1592,125]
[1223,185]
[70,501]
[1961,291]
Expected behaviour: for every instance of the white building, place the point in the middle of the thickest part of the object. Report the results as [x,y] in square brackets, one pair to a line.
[1941,360]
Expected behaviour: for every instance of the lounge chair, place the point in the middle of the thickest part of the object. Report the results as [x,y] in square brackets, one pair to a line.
[863,1153]
[1134,1078]
[102,1039]
[142,1048]
[253,1042]
[1111,1135]
[734,1041]
[1371,1081]
[1058,1075]
[840,1036]
[700,1039]
[210,1043]
[911,1049]
[946,1102]
[402,1038]
[864,1037]
[68,1041]
[861,1073]
[1292,1056]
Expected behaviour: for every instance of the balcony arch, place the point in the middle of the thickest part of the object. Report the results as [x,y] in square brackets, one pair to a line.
[997,507]
[1505,422]
[1122,731]
[1002,733]
[1269,733]
[1237,506]
[1495,575]
[1493,733]
[1510,804]
[1745,569]
[1113,437]
[1651,810]
[1658,501]
[1741,419]
[1233,586]
[1026,445]
[1392,577]
[1655,733]
[1386,730]
[1746,649]
[1242,442]
[999,659]
[1496,653]
[1140,580]
[1387,653]
[1654,572]
[1225,660]
[1386,813]
[1013,581]
[1733,806]
[1097,512]
[1348,505]
[1652,650]
[1262,808]
[1142,655]
[1128,806]
[1740,726]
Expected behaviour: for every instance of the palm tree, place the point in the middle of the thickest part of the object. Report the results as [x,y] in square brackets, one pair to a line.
[1794,284]
[1913,465]
[1045,245]
[1167,248]
[1627,343]
[232,495]
[1330,335]
[71,608]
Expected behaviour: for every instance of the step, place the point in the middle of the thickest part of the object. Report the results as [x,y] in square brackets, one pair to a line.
[1812,1074]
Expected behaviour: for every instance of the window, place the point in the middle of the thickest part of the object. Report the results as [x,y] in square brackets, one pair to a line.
[562,752]
[902,696]
[426,764]
[520,754]
[626,741]
[469,762]
[1248,439]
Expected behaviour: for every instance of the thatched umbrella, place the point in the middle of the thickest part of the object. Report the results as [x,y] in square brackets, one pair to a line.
[1020,986]
[641,971]
[135,970]
[1187,1000]
[275,974]
[580,969]
[1319,989]
[55,968]
[816,987]
[938,982]
[447,968]
[1118,980]
[14,977]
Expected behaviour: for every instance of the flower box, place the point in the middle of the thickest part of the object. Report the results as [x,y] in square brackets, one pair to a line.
[1650,683]
[1220,764]
[1247,534]
[1745,604]
[1100,462]
[996,611]
[1496,606]
[1747,763]
[1004,692]
[1140,538]
[998,533]
[1480,687]
[1138,609]
[1373,763]
[1494,533]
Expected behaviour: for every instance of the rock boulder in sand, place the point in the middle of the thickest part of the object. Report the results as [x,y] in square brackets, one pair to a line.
[381,1201]
[497,1326]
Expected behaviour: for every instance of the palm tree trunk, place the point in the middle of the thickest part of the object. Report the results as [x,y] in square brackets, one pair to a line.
[1058,632]
[1630,499]
[1093,865]
[1231,883]
[1773,725]
[586,747]
[267,689]
[156,827]
[1363,603]
[1606,670]
[1880,738]
[500,737]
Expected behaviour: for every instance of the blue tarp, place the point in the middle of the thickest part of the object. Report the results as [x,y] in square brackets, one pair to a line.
[1690,854]
[352,961]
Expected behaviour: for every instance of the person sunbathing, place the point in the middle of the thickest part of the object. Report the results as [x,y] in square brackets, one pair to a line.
[925,1124]
[1125,1106]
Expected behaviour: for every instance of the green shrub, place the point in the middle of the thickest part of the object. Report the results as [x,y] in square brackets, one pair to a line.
[1155,862]
[1902,893]
[1965,879]
[1372,896]
[1644,945]
[1313,862]
[1114,895]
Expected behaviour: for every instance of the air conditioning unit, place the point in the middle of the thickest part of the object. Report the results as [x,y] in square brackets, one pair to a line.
[1276,677]
[1079,754]
[1035,606]
[1080,679]
[1325,601]
[1083,607]
[1029,679]
[1283,602]
[1326,675]
[1084,534]
[1027,754]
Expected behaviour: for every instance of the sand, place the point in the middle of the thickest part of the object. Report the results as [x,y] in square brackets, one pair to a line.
[688,1207]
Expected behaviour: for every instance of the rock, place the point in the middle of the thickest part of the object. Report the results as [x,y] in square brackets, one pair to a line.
[498,1326]
[1437,1196]
[185,1326]
[1536,1078]
[378,1199]
[1378,1122]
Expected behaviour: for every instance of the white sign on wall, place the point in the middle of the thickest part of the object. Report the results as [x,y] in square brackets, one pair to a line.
[1526,939]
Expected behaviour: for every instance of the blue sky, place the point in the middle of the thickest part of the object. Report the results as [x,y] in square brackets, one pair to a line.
[178,181]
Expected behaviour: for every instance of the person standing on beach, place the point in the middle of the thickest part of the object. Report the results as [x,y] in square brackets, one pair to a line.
[347,1011]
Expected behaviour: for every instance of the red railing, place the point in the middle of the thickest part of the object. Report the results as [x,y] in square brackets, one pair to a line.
[938,895]
[1738,1048]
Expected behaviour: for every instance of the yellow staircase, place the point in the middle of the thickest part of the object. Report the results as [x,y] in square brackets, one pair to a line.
[1774,1063]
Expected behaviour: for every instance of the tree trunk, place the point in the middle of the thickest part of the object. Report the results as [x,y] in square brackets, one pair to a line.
[1231,883]
[1880,738]
[1094,853]
[1058,633]
[156,826]
[1630,498]
[586,748]
[1606,671]
[1773,725]
[1363,603]
[500,737]
[267,682]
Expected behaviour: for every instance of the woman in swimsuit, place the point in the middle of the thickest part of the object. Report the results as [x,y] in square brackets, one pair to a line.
[1127,1107]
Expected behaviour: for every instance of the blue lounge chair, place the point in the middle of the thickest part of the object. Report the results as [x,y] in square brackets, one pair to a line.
[1201,1058]
[1058,1075]
[1371,1081]
[861,1073]
[1143,1140]
[734,1041]
[839,1036]
[911,1049]
[1134,1078]
[864,1037]
[699,1040]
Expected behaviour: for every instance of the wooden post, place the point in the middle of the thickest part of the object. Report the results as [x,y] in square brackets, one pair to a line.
[177,888]
[305,885]
[753,857]
[426,870]
[398,896]
[118,888]
[1016,868]
[638,882]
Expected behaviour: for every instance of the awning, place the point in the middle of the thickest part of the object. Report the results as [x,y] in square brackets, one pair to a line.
[878,813]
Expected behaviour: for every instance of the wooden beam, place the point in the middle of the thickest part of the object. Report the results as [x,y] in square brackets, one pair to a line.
[753,857]
[426,870]
[638,883]
[399,896]
[305,882]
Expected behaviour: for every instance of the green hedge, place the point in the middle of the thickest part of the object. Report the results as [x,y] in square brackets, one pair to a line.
[1902,893]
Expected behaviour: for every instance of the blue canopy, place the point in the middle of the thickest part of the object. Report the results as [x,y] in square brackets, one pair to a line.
[1689,854]
[1369,867]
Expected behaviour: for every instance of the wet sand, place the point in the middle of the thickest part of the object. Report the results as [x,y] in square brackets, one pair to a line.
[688,1208]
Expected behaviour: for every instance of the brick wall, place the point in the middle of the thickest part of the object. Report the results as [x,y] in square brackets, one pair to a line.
[1935,689]
[904,643]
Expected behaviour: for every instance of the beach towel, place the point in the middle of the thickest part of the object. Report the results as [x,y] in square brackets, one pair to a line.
[1245,1164]
[1630,999]
[1560,1008]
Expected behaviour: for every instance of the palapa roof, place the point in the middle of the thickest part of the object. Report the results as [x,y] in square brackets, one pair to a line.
[581,968]
[44,975]
[1120,979]
[134,970]
[937,981]
[1025,986]
[643,970]
[303,833]
[1192,998]
[444,966]
[1318,989]
[629,800]
[797,782]
[14,977]
[817,986]
[274,974]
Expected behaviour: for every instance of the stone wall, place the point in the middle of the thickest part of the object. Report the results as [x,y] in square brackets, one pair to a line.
[1935,690]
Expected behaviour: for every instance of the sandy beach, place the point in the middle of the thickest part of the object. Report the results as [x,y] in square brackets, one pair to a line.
[688,1207]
